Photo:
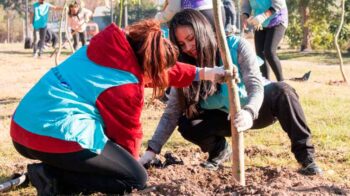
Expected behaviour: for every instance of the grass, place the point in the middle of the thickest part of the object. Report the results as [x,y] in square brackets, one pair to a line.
[326,108]
[315,56]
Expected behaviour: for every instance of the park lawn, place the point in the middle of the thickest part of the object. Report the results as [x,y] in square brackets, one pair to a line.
[320,57]
[326,107]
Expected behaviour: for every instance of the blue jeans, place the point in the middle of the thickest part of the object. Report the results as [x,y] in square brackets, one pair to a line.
[39,45]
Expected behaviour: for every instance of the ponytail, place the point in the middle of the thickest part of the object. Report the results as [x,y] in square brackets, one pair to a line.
[155,54]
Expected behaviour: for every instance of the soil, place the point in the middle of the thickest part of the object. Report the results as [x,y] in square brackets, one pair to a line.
[187,177]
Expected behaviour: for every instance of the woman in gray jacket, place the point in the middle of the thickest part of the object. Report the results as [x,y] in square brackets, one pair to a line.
[201,110]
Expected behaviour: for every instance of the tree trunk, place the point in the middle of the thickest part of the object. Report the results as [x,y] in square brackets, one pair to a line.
[8,27]
[336,42]
[305,15]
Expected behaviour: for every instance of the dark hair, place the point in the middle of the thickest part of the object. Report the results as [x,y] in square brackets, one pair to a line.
[155,54]
[72,5]
[206,47]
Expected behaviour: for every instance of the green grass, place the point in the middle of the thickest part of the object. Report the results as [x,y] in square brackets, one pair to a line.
[315,56]
[327,109]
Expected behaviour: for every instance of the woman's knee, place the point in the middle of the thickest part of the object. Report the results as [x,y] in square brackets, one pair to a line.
[270,53]
[278,89]
[139,179]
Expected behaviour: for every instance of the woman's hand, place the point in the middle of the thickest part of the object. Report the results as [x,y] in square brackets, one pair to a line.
[147,157]
[214,74]
[243,120]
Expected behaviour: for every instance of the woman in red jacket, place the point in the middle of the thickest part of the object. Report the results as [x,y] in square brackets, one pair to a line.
[82,119]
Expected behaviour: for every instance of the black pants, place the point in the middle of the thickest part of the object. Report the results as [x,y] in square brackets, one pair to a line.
[51,37]
[280,103]
[39,45]
[112,171]
[81,36]
[266,43]
[230,13]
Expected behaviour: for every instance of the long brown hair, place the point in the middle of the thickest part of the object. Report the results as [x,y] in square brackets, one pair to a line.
[206,47]
[155,54]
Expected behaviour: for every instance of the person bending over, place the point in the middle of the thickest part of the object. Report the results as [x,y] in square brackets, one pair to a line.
[82,119]
[201,110]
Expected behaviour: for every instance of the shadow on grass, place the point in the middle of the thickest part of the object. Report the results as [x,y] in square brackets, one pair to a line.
[9,100]
[321,57]
[15,52]
[30,52]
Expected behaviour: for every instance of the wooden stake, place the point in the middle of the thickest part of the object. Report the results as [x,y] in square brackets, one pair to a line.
[235,106]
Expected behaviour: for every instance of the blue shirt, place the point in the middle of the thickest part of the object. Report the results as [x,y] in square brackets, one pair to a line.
[41,14]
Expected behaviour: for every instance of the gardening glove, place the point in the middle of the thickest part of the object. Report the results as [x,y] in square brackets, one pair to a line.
[243,120]
[147,157]
[214,74]
[257,21]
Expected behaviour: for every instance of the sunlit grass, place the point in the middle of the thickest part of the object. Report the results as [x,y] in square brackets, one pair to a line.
[326,108]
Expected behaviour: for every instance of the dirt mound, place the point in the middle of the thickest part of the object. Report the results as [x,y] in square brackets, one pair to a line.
[191,179]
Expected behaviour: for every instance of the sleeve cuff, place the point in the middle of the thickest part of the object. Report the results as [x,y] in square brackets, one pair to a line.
[249,109]
[196,78]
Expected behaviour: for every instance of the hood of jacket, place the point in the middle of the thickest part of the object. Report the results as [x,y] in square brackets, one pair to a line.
[110,48]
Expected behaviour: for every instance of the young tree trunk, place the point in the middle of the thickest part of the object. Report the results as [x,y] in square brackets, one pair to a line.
[8,27]
[336,42]
[305,15]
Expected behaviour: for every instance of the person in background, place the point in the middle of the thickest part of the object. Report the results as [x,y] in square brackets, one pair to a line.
[270,20]
[201,110]
[78,18]
[231,17]
[171,7]
[51,38]
[39,16]
[82,119]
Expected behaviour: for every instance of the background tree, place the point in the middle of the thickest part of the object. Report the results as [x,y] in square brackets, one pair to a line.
[313,24]
[336,40]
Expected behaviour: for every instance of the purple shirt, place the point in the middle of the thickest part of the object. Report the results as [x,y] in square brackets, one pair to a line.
[193,4]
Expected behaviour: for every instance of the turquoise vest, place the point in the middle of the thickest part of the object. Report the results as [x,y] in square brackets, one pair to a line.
[41,15]
[62,103]
[259,7]
[220,99]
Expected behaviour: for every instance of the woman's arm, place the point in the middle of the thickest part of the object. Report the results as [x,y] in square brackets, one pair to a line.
[170,10]
[167,123]
[277,5]
[183,74]
[246,9]
[252,78]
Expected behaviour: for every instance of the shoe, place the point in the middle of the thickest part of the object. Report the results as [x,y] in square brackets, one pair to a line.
[43,182]
[213,163]
[35,55]
[310,168]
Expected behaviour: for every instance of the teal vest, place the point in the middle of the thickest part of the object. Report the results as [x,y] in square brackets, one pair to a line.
[259,7]
[41,15]
[220,99]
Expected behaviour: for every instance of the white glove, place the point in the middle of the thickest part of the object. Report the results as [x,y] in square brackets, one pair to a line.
[257,20]
[147,157]
[243,120]
[214,74]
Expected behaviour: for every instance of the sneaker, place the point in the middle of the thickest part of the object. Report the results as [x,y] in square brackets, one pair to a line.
[35,55]
[215,162]
[310,168]
[43,182]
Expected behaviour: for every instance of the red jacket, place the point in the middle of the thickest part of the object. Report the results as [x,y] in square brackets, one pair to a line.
[119,106]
